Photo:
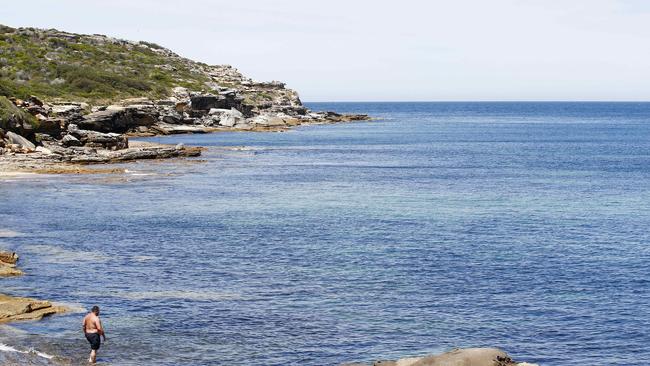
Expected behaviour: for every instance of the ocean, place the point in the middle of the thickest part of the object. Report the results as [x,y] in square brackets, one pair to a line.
[522,226]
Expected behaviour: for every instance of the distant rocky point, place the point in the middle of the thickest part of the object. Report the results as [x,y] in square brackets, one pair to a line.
[69,98]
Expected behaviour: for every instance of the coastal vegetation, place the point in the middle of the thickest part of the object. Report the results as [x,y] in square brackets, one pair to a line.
[75,98]
[53,64]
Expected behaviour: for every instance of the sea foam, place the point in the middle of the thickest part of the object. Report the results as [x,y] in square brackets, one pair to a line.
[6,348]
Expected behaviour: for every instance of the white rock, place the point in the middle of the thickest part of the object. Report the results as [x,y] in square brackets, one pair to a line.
[226,117]
[65,108]
[43,150]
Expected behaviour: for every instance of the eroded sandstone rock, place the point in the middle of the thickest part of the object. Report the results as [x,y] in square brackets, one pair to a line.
[22,308]
[15,138]
[8,264]
[457,357]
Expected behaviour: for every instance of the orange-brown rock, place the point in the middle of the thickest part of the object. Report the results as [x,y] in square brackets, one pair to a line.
[22,308]
[8,265]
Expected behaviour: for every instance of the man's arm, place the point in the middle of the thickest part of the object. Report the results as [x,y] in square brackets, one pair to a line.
[100,329]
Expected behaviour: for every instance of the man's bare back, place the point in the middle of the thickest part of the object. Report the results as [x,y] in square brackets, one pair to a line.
[92,324]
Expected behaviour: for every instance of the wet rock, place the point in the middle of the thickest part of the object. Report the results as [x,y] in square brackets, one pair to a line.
[16,139]
[22,308]
[460,357]
[8,264]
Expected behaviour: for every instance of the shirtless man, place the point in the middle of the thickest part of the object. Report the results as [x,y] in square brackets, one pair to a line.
[92,328]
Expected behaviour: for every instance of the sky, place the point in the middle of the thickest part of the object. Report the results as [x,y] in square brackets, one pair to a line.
[379,50]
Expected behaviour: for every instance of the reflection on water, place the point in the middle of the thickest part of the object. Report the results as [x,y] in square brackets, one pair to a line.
[516,225]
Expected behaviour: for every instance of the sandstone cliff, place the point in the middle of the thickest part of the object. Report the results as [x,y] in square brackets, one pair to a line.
[76,98]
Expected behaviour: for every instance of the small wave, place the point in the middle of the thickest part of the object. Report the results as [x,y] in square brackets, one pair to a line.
[9,233]
[144,258]
[6,348]
[179,295]
[58,255]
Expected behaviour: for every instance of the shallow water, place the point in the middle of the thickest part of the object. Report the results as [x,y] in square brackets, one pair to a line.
[516,225]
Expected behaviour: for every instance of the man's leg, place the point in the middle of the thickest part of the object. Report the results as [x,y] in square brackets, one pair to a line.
[93,356]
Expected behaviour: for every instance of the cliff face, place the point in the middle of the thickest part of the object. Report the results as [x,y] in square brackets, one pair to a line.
[71,95]
[61,66]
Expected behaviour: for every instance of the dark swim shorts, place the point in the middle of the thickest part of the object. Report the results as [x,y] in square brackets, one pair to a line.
[93,338]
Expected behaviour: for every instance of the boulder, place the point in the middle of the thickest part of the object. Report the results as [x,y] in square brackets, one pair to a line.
[44,150]
[8,257]
[268,120]
[8,264]
[173,118]
[224,117]
[119,119]
[113,119]
[142,115]
[67,109]
[69,140]
[205,102]
[21,308]
[16,139]
[34,100]
[50,126]
[113,141]
[457,357]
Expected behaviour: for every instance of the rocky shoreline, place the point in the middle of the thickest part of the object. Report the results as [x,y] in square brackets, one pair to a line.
[21,308]
[66,136]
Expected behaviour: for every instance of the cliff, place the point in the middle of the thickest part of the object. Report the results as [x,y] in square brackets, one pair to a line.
[77,98]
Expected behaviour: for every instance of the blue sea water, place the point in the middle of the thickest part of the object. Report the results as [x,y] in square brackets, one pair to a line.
[522,226]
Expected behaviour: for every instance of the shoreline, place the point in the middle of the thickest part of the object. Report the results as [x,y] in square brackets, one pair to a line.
[12,308]
[51,159]
[21,165]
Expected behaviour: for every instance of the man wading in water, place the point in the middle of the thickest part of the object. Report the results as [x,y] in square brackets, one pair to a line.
[92,330]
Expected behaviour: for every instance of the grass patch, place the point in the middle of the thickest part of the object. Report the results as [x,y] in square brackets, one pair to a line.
[52,65]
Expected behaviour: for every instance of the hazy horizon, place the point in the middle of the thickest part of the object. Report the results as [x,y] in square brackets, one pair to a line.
[467,50]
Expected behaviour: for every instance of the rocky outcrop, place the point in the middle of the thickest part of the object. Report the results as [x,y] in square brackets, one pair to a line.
[110,141]
[8,265]
[220,99]
[457,357]
[15,138]
[21,308]
[118,119]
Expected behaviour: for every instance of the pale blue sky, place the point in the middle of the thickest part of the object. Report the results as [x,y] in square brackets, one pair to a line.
[389,50]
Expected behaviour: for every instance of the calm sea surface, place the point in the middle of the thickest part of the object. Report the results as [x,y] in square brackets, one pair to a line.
[523,226]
